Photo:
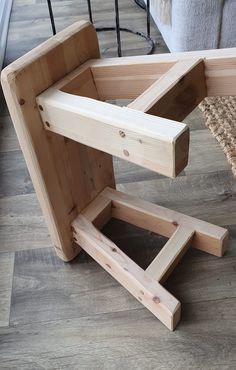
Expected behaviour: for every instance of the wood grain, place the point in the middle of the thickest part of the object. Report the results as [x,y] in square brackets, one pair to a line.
[15,178]
[48,332]
[48,156]
[121,348]
[168,258]
[210,197]
[207,237]
[176,93]
[8,139]
[141,285]
[6,276]
[22,225]
[152,142]
[219,68]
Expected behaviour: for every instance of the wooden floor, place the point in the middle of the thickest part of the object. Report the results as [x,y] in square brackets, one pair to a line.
[75,316]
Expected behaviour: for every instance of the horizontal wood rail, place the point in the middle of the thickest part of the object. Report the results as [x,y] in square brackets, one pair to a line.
[220,72]
[155,143]
[207,237]
[171,253]
[144,285]
[176,93]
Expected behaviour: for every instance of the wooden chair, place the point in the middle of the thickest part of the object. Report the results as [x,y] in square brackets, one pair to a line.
[58,99]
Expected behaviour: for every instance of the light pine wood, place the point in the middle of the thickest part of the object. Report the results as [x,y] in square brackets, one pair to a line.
[219,72]
[170,254]
[208,237]
[152,142]
[111,203]
[80,299]
[98,211]
[176,93]
[131,76]
[50,158]
[69,108]
[130,80]
[152,295]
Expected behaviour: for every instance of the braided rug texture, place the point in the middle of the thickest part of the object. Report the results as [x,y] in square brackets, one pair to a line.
[220,114]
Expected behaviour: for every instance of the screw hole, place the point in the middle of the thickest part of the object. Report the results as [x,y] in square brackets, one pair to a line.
[22,101]
[122,134]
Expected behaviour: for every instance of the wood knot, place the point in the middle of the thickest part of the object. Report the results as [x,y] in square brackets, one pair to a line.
[156,299]
[175,223]
[47,124]
[114,249]
[40,107]
[126,153]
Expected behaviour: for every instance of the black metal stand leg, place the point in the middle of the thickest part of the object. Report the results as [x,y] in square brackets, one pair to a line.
[90,11]
[148,18]
[118,29]
[51,17]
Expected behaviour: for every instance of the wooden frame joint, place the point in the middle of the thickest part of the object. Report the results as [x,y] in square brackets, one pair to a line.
[144,285]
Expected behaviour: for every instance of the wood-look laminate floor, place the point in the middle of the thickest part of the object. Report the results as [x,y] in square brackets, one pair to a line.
[55,315]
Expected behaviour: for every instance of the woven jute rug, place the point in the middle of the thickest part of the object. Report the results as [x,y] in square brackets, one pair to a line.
[220,113]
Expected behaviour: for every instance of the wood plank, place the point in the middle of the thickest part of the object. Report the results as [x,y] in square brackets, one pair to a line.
[6,276]
[208,237]
[176,93]
[50,158]
[133,75]
[22,225]
[98,211]
[152,295]
[152,142]
[83,84]
[126,336]
[8,139]
[129,82]
[219,68]
[169,256]
[203,147]
[15,178]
